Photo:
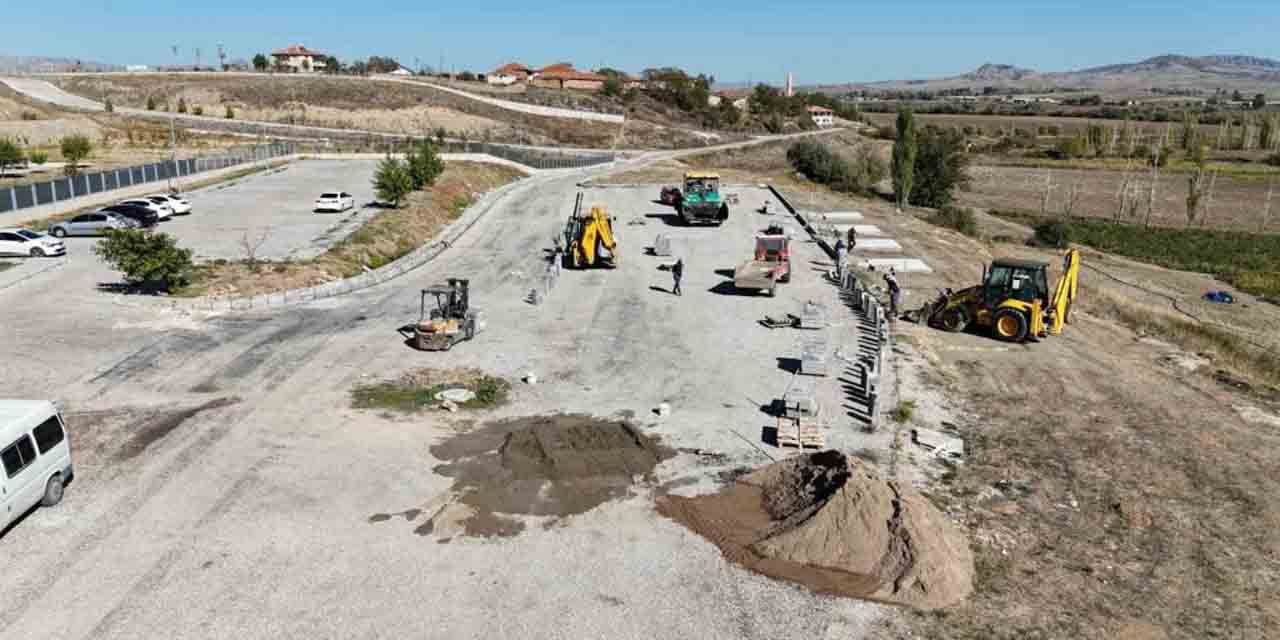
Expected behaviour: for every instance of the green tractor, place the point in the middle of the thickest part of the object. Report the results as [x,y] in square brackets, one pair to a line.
[701,202]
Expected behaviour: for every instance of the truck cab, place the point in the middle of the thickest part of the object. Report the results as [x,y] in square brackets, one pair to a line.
[701,202]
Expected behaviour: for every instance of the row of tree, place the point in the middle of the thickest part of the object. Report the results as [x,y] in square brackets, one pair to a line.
[396,178]
[928,165]
[75,148]
[332,65]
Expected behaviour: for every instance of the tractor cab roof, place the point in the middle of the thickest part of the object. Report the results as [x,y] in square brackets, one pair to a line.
[1019,263]
[701,175]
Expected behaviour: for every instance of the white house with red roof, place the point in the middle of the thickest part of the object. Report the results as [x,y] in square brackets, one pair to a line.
[822,116]
[298,58]
[509,74]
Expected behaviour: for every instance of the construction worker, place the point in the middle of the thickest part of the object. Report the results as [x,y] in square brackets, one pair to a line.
[853,238]
[840,248]
[895,292]
[677,271]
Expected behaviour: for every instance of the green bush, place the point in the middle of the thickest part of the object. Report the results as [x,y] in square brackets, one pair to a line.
[30,115]
[74,149]
[145,258]
[424,164]
[182,105]
[230,114]
[107,106]
[10,154]
[818,163]
[1053,233]
[1273,160]
[958,218]
[197,110]
[38,157]
[941,166]
[151,103]
[392,181]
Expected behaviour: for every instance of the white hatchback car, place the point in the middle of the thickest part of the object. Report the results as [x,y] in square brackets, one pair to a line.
[25,242]
[335,201]
[180,205]
[162,209]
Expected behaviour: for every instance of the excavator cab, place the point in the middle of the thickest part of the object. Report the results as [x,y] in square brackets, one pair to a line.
[1014,300]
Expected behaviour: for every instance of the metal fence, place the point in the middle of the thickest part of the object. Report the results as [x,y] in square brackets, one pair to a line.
[83,184]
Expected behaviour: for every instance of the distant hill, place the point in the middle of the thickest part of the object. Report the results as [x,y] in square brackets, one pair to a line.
[42,64]
[1165,73]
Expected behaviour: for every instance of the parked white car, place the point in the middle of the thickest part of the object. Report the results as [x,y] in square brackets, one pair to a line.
[335,201]
[163,210]
[28,243]
[180,205]
[36,456]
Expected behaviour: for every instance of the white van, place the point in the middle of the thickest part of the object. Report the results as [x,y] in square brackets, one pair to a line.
[35,457]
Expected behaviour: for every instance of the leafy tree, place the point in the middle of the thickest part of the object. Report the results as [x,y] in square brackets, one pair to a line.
[182,105]
[1260,101]
[75,148]
[10,154]
[331,64]
[260,62]
[467,76]
[904,157]
[1189,134]
[392,181]
[729,114]
[230,114]
[818,163]
[1196,183]
[766,99]
[146,258]
[1073,147]
[612,86]
[424,164]
[380,64]
[940,167]
[151,103]
[107,106]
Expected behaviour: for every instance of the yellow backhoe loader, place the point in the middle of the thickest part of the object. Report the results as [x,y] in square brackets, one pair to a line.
[1014,301]
[589,238]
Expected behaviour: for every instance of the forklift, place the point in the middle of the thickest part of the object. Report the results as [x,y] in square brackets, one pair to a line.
[1014,301]
[450,322]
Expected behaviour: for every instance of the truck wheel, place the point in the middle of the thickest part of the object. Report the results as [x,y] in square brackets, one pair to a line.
[771,291]
[954,320]
[52,492]
[787,276]
[1010,325]
[724,212]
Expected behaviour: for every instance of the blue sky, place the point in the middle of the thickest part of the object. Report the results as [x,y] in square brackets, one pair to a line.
[735,41]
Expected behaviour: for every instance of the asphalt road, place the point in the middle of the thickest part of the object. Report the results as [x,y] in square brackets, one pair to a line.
[252,520]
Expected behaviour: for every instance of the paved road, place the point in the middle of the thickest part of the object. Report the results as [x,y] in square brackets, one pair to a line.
[252,520]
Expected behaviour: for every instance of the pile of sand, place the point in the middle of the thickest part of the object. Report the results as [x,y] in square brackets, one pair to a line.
[833,524]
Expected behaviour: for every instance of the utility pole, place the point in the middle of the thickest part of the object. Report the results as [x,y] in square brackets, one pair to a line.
[222,57]
[197,59]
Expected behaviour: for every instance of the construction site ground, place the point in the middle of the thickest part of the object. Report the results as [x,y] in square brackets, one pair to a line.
[224,487]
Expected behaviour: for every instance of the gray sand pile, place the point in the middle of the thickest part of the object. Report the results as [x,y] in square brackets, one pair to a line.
[833,524]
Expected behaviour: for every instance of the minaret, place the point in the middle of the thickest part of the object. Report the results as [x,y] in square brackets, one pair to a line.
[791,87]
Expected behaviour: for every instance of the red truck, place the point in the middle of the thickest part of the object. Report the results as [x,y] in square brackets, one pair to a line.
[770,266]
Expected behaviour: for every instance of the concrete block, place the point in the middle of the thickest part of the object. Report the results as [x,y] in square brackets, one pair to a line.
[839,216]
[867,230]
[940,444]
[813,316]
[662,245]
[902,265]
[877,244]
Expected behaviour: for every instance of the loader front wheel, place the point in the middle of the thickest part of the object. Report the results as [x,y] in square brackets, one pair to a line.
[1010,325]
[954,320]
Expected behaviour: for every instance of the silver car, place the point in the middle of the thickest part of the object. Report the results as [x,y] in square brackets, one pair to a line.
[91,224]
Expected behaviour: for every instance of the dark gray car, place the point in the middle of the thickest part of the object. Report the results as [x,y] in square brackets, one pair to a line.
[91,224]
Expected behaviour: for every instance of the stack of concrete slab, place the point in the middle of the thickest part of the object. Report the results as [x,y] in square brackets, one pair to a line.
[813,355]
[813,316]
[662,245]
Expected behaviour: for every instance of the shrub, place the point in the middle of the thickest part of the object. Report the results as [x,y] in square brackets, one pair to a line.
[1053,233]
[107,106]
[38,157]
[819,164]
[151,103]
[30,115]
[182,105]
[958,218]
[145,258]
[10,154]
[1074,147]
[230,114]
[424,164]
[198,110]
[74,149]
[392,181]
[1273,160]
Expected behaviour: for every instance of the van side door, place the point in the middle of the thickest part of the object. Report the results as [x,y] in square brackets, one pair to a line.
[22,487]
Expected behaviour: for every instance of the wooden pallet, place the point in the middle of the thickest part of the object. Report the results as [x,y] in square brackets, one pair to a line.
[801,434]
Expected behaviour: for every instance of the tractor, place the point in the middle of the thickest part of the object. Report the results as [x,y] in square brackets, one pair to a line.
[701,202]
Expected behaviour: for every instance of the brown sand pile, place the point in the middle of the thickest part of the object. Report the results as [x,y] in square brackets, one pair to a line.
[831,523]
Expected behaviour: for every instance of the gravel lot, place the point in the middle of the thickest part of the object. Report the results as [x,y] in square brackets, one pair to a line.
[252,520]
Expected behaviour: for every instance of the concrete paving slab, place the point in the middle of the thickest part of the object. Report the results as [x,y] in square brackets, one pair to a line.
[836,216]
[902,265]
[867,230]
[877,244]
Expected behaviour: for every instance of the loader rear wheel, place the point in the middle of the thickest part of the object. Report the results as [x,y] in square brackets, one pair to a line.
[954,320]
[1010,325]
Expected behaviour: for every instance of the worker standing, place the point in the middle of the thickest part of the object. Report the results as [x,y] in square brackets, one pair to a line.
[895,292]
[840,259]
[853,238]
[677,271]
